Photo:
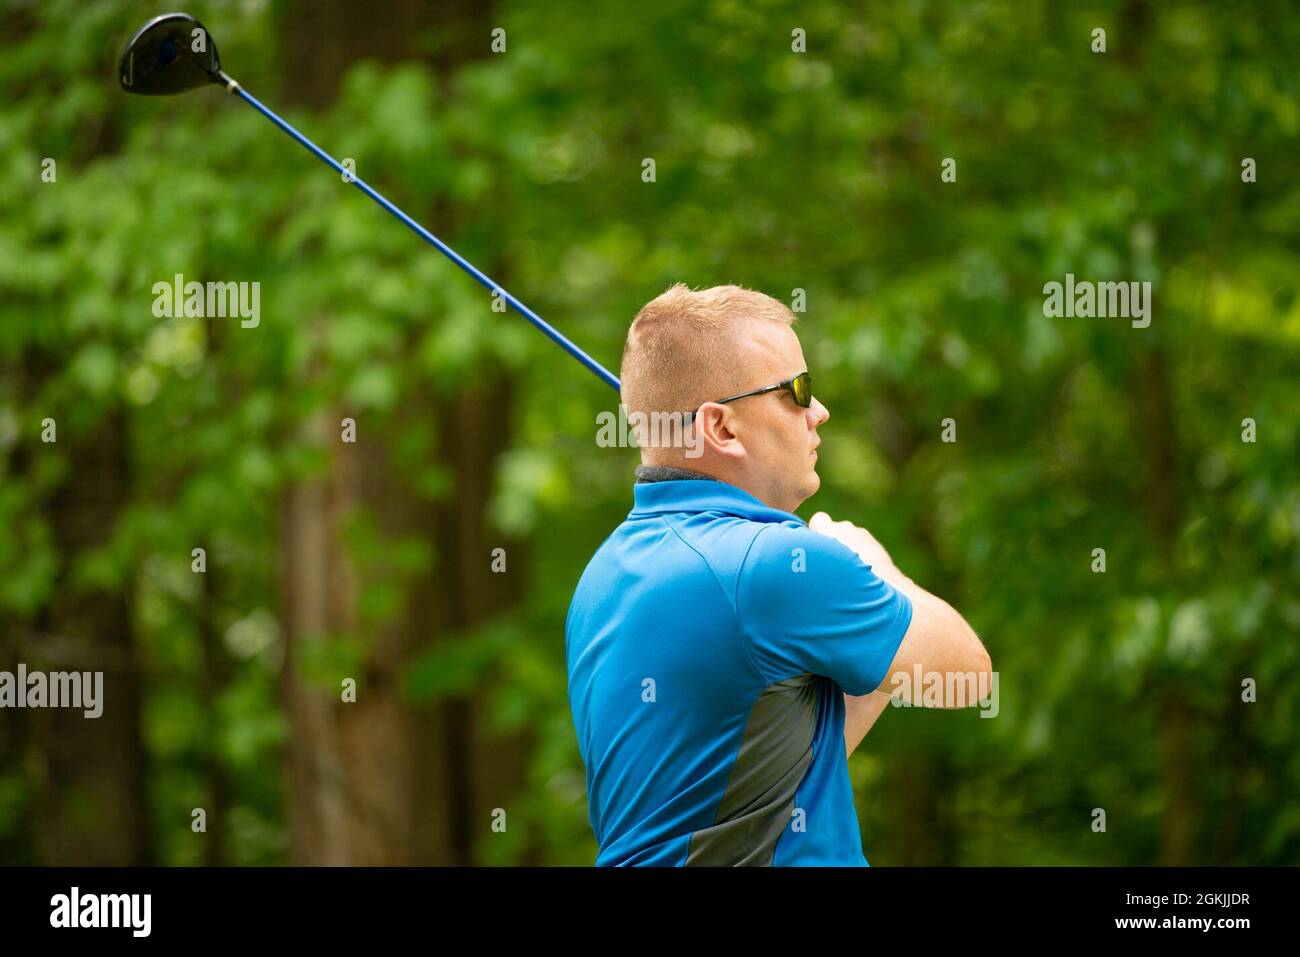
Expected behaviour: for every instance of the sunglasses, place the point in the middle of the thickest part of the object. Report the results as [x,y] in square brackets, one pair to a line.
[800,387]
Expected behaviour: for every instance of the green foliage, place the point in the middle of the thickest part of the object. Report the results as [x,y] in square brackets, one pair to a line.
[816,171]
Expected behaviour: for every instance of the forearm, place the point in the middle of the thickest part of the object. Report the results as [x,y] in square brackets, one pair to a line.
[860,713]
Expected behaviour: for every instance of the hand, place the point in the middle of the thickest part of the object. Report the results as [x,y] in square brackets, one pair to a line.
[858,539]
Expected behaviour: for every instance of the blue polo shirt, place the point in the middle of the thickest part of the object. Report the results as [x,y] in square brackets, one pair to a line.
[708,644]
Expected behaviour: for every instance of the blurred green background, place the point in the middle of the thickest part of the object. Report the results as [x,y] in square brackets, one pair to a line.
[777,170]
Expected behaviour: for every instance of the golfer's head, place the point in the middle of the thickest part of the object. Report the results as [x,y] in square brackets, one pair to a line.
[688,349]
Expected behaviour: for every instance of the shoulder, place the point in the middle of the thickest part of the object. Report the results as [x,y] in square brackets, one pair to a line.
[778,546]
[720,541]
[793,570]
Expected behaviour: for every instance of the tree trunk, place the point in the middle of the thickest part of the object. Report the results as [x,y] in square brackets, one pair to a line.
[377,781]
[1161,474]
[90,795]
[87,774]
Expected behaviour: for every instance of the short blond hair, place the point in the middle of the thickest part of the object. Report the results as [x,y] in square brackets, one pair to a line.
[680,347]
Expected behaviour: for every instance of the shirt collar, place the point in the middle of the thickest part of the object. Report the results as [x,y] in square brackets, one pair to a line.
[667,473]
[706,495]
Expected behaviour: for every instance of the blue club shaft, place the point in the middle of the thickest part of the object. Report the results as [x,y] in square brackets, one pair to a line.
[551,332]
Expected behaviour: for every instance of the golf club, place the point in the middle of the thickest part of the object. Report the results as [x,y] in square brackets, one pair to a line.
[174,53]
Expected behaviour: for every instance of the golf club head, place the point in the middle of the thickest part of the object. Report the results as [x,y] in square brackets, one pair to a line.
[170,54]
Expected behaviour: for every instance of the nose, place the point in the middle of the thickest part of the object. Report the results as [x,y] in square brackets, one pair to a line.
[819,412]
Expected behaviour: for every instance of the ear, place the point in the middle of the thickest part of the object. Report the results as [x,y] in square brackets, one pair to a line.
[715,423]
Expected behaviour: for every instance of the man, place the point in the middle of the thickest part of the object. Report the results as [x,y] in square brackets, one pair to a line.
[725,658]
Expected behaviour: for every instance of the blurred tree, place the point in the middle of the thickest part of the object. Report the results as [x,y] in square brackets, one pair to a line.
[386,780]
[818,171]
[86,777]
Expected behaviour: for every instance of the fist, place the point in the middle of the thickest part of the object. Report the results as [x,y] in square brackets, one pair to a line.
[858,539]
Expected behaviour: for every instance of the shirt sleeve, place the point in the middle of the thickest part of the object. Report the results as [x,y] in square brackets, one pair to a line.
[808,604]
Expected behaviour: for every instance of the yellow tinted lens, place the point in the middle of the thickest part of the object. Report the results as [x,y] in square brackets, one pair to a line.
[803,389]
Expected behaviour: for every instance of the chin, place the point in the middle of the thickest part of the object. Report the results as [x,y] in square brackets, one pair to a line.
[807,490]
